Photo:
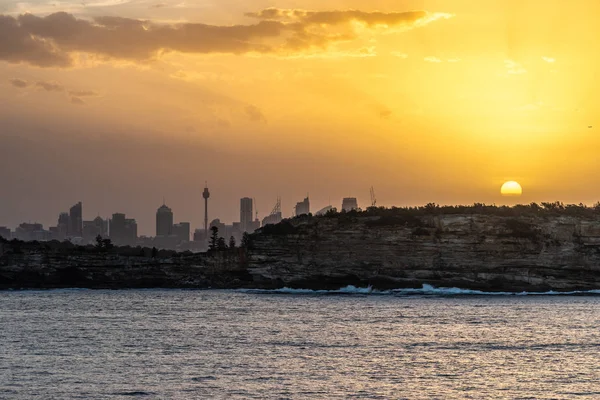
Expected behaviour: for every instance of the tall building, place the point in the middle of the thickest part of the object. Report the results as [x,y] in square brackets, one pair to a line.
[62,228]
[349,204]
[164,221]
[76,221]
[182,232]
[117,228]
[93,229]
[246,208]
[303,207]
[206,195]
[131,232]
[122,231]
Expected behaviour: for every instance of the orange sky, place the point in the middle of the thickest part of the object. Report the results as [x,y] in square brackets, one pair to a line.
[119,103]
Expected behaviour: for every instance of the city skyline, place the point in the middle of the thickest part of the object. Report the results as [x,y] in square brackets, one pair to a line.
[120,104]
[164,218]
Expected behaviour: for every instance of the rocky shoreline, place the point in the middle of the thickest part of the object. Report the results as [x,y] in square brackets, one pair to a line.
[483,252]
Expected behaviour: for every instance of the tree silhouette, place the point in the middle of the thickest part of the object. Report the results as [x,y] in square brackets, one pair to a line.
[232,242]
[221,245]
[214,238]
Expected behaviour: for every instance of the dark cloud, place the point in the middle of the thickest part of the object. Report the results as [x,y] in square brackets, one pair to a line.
[51,40]
[18,45]
[74,96]
[19,83]
[50,86]
[255,114]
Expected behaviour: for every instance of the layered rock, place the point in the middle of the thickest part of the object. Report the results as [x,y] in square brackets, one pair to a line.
[485,252]
[469,251]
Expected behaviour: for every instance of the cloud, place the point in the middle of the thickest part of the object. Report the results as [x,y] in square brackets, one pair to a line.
[514,68]
[433,59]
[77,101]
[437,60]
[19,83]
[54,40]
[549,59]
[399,54]
[385,113]
[255,114]
[50,86]
[306,17]
[74,96]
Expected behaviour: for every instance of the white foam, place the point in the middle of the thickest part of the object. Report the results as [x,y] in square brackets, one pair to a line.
[426,290]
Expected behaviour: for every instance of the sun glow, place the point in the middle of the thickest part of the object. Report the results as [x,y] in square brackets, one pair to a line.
[511,188]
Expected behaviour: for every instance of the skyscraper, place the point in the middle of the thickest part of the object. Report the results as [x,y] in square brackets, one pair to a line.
[164,221]
[246,207]
[303,207]
[182,232]
[349,204]
[123,231]
[76,221]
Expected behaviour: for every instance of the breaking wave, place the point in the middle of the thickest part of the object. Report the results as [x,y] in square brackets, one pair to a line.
[426,290]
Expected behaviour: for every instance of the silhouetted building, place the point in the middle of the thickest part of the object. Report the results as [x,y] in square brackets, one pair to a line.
[253,225]
[182,232]
[131,231]
[164,221]
[303,207]
[349,204]
[246,208]
[220,226]
[5,232]
[122,231]
[272,219]
[62,228]
[29,232]
[93,229]
[324,210]
[275,217]
[76,221]
[200,235]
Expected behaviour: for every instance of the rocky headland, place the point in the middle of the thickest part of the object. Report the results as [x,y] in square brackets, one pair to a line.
[531,248]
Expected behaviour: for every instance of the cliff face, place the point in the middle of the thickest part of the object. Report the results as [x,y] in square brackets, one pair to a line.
[482,252]
[37,266]
[468,251]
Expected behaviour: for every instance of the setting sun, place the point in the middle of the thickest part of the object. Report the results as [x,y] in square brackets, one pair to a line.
[511,188]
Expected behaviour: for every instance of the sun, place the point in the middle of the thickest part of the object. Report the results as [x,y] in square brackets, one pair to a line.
[511,188]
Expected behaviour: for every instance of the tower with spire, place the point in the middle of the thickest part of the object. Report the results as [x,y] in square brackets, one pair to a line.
[206,195]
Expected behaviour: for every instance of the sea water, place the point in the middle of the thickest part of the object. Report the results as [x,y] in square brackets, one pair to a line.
[355,343]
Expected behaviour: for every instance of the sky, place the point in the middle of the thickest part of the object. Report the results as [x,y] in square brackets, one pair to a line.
[123,103]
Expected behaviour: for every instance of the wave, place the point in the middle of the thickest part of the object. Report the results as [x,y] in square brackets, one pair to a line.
[425,290]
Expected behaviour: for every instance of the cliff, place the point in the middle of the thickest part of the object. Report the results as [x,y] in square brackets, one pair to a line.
[474,251]
[485,252]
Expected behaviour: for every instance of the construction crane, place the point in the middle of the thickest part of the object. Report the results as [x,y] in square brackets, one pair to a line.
[373,199]
[277,208]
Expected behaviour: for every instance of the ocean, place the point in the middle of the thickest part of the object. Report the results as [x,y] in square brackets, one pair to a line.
[352,344]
